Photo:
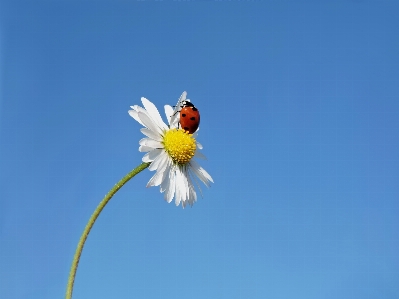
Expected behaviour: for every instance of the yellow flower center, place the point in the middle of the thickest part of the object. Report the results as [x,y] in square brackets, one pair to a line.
[180,145]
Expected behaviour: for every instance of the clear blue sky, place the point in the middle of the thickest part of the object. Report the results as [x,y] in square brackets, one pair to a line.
[299,111]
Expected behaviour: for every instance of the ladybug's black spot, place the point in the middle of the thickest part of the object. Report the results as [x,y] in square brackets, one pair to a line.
[195,109]
[192,118]
[186,128]
[183,115]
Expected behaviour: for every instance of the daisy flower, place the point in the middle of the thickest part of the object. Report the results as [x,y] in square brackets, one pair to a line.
[171,151]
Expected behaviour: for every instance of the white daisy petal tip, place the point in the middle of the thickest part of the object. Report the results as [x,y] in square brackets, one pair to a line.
[153,113]
[168,112]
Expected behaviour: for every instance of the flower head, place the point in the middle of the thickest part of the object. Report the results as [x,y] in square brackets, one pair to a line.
[171,151]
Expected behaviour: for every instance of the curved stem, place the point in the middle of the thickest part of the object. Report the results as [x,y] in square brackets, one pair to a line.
[90,224]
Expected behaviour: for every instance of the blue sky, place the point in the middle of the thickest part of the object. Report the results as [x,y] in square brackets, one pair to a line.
[299,107]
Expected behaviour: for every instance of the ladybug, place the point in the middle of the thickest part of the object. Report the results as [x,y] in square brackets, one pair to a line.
[189,117]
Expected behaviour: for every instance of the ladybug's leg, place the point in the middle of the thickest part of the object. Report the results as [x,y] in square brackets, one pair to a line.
[177,110]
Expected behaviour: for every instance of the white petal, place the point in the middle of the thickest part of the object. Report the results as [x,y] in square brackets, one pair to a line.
[178,194]
[163,166]
[204,172]
[199,145]
[166,179]
[151,134]
[141,109]
[136,107]
[183,184]
[194,178]
[152,155]
[153,113]
[150,143]
[192,195]
[201,173]
[135,115]
[161,158]
[185,181]
[165,182]
[189,182]
[200,155]
[170,192]
[144,148]
[145,159]
[155,180]
[142,141]
[149,123]
[168,112]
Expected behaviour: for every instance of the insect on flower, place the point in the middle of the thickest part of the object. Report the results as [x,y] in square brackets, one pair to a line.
[171,150]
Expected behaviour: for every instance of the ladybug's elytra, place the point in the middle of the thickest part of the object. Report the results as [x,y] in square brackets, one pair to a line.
[189,117]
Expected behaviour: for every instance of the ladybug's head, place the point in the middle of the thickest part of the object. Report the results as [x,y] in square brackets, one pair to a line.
[187,104]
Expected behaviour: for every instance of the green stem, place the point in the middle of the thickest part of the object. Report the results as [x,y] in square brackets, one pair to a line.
[90,224]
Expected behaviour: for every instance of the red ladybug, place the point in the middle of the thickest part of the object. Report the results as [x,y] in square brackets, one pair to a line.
[189,117]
